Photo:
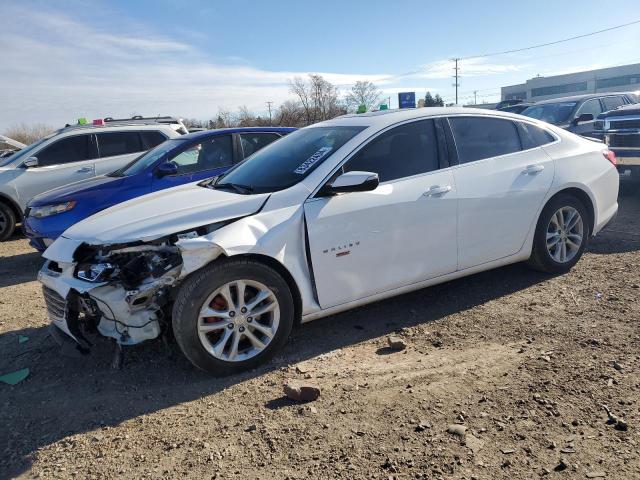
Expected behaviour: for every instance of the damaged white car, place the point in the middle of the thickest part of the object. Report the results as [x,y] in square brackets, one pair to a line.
[333,216]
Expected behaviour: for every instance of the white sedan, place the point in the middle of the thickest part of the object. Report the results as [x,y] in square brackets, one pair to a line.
[331,217]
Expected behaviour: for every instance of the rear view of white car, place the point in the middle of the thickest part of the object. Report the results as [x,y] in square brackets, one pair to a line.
[75,153]
[333,216]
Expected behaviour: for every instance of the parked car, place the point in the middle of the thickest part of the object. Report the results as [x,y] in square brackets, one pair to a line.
[9,146]
[508,103]
[72,154]
[578,113]
[185,159]
[333,216]
[620,130]
[518,108]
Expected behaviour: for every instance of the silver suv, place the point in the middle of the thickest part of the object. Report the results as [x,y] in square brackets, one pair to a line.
[74,153]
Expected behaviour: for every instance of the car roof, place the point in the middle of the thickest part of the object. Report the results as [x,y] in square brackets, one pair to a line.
[389,117]
[577,98]
[222,131]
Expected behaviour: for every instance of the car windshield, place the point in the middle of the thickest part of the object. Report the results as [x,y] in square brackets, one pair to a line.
[146,159]
[556,113]
[24,153]
[287,161]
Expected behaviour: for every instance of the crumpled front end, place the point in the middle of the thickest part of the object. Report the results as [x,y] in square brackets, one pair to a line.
[119,291]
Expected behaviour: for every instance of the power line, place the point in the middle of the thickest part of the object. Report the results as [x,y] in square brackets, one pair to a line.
[551,43]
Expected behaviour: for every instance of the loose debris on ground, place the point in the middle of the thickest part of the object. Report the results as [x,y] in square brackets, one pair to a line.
[507,374]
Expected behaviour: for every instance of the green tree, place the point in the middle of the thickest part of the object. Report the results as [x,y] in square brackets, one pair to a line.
[439,102]
[428,100]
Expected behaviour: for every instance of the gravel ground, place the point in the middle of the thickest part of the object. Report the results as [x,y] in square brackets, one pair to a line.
[524,361]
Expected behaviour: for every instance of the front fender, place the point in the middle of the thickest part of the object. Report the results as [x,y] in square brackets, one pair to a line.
[277,234]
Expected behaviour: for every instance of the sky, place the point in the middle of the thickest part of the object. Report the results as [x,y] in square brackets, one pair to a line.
[68,59]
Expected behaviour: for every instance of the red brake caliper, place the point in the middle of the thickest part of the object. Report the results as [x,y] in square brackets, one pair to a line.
[218,303]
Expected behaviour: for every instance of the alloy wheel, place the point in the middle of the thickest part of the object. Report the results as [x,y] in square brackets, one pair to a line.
[565,234]
[238,320]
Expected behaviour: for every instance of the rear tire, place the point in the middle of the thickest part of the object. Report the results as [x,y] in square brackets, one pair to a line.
[223,331]
[562,234]
[7,221]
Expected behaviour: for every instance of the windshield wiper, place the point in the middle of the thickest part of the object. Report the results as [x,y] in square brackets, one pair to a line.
[234,186]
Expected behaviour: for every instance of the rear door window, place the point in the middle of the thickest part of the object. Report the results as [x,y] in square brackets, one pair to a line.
[67,150]
[111,144]
[252,142]
[611,103]
[151,138]
[477,138]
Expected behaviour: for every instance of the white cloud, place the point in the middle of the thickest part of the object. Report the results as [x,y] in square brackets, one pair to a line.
[56,68]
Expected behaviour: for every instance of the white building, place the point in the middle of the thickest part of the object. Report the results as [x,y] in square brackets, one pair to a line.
[625,78]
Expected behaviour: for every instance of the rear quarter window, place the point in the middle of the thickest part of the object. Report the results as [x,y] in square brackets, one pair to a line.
[533,136]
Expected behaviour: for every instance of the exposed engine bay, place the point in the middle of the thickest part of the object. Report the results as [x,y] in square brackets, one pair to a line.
[133,289]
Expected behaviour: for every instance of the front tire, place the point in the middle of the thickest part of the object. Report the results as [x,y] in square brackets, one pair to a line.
[232,315]
[562,234]
[7,221]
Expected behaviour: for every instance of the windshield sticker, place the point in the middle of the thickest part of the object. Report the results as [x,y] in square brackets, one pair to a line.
[312,160]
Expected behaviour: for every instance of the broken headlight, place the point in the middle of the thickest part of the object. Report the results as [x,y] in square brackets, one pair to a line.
[98,272]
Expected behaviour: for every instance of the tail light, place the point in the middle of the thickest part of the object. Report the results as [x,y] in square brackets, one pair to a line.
[611,156]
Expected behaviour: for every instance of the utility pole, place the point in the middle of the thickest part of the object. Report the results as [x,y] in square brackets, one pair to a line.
[475,97]
[269,107]
[456,76]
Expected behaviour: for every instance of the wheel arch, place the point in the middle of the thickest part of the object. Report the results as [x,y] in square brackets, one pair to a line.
[584,198]
[283,272]
[13,205]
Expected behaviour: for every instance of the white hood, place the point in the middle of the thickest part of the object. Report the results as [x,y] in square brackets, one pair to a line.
[12,142]
[163,213]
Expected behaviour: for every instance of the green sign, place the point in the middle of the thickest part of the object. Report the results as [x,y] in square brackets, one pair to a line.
[384,106]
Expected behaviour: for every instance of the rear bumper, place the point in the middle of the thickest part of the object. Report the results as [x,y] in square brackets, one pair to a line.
[629,167]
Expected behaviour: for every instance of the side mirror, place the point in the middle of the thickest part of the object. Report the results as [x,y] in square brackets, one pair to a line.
[166,169]
[351,182]
[584,118]
[30,162]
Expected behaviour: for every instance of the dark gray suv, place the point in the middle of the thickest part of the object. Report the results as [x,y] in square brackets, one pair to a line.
[578,113]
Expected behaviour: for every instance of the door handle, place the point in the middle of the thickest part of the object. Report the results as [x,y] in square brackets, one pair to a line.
[533,169]
[437,190]
[84,170]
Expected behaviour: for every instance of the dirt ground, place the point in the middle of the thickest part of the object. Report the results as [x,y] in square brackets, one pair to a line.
[523,360]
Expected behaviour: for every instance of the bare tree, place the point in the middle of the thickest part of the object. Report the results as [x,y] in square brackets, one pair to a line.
[318,98]
[28,134]
[224,119]
[290,114]
[363,93]
[193,122]
[245,118]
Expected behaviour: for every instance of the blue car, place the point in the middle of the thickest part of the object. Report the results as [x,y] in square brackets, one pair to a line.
[181,160]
